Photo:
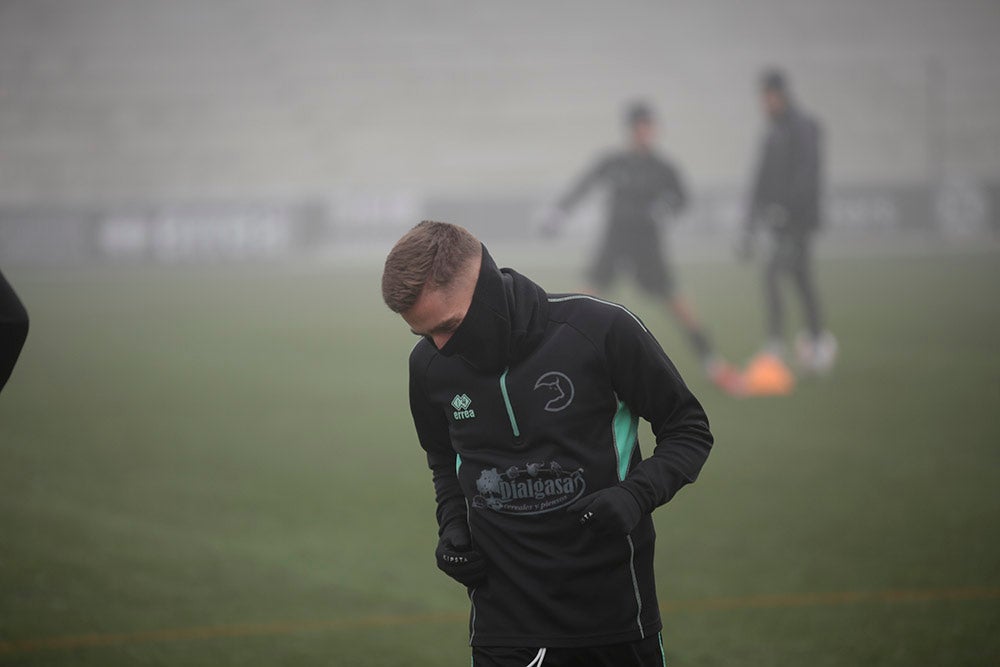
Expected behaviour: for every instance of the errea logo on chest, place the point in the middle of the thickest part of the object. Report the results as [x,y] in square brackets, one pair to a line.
[461,403]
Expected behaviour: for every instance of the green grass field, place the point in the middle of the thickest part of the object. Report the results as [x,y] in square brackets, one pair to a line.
[216,467]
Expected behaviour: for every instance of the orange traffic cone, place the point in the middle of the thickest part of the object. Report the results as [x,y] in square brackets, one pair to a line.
[767,375]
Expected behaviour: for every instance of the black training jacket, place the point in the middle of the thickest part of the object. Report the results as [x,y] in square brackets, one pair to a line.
[643,188]
[531,404]
[789,174]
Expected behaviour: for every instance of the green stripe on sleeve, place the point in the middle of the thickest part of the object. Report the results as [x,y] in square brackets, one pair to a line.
[625,429]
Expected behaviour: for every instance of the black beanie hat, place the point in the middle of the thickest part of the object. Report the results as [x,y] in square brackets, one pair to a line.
[638,112]
[773,79]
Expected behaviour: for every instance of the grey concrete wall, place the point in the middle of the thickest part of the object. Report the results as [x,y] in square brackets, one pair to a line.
[122,100]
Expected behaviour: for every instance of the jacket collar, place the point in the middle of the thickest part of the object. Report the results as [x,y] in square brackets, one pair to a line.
[505,321]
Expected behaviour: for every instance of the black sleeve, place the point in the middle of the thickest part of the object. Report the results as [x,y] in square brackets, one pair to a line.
[583,185]
[13,329]
[757,190]
[804,188]
[432,432]
[649,384]
[677,197]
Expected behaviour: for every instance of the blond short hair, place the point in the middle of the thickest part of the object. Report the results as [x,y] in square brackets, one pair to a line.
[432,253]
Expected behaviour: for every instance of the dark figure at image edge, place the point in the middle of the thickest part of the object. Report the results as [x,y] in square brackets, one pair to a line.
[13,329]
[527,405]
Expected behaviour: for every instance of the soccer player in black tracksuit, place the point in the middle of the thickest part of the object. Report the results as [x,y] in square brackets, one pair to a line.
[13,329]
[786,201]
[527,405]
[643,188]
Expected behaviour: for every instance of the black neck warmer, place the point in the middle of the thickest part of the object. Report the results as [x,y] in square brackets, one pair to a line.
[505,321]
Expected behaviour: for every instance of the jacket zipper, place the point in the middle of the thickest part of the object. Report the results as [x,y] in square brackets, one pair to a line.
[510,408]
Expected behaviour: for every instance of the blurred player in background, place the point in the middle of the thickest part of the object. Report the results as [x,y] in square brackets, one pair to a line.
[785,201]
[527,406]
[644,189]
[13,329]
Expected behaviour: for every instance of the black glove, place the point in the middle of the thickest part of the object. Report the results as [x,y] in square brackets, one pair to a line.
[612,511]
[456,557]
[548,222]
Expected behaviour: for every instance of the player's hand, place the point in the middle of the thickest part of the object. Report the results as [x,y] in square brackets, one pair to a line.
[612,511]
[777,216]
[456,558]
[548,222]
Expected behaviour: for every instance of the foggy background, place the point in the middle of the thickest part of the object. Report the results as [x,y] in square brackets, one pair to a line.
[206,455]
[138,129]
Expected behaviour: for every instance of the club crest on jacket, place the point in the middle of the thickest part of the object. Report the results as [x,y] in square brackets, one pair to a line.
[559,389]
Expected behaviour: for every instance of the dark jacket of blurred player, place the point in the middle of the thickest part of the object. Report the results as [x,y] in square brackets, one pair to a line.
[644,189]
[527,405]
[786,200]
[13,329]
